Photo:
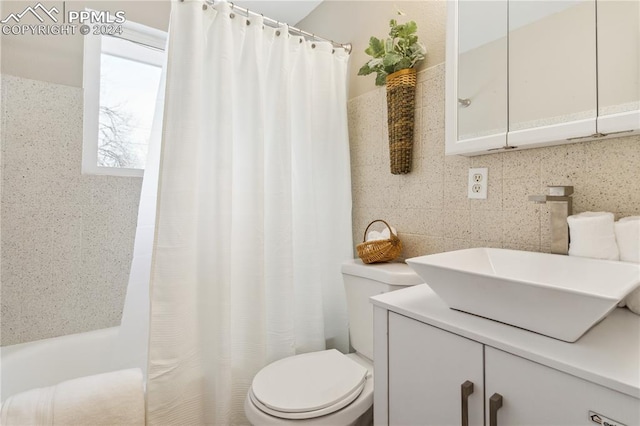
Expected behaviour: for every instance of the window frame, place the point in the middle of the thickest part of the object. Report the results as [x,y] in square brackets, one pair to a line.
[93,45]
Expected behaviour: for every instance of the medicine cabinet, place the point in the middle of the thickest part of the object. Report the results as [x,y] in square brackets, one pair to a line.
[529,73]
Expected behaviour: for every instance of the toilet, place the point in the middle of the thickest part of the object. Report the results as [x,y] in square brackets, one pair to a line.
[328,387]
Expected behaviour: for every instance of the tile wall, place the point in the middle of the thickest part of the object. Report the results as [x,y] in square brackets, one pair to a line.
[67,238]
[429,206]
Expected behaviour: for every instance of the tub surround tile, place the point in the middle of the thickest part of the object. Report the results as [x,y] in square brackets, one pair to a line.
[622,154]
[602,192]
[521,164]
[419,221]
[432,211]
[433,147]
[561,165]
[67,238]
[516,192]
[486,225]
[419,245]
[457,224]
[524,247]
[521,226]
[432,118]
[451,244]
[490,244]
[455,183]
[418,145]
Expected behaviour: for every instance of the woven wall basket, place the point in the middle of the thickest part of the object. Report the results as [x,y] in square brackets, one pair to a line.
[401,103]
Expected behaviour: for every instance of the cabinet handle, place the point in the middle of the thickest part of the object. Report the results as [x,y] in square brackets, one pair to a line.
[466,389]
[495,402]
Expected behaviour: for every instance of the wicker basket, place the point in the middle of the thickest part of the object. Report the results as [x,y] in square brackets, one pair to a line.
[379,250]
[401,100]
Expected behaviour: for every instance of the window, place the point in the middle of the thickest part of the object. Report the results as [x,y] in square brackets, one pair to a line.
[121,80]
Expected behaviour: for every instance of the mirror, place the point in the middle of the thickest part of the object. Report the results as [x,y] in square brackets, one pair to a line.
[618,56]
[529,73]
[552,57]
[482,68]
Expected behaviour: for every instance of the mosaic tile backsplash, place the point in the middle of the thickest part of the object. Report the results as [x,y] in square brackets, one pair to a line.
[429,206]
[67,238]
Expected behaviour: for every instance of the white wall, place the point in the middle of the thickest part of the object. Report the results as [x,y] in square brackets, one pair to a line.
[356,21]
[58,59]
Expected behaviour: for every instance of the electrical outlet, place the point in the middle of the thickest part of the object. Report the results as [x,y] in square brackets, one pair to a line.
[478,182]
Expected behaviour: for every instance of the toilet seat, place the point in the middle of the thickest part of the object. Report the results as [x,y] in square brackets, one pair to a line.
[308,385]
[307,414]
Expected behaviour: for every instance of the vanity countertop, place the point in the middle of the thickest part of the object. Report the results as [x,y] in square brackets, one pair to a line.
[608,354]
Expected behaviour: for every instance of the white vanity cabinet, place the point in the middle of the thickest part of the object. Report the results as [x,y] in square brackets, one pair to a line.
[427,386]
[427,356]
[533,394]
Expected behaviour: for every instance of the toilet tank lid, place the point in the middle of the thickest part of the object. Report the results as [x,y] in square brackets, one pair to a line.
[388,273]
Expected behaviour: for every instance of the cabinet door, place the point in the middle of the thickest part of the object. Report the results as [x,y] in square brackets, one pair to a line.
[427,367]
[618,65]
[476,111]
[533,394]
[552,70]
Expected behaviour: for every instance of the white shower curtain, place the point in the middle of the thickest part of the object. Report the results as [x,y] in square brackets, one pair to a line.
[253,211]
[131,348]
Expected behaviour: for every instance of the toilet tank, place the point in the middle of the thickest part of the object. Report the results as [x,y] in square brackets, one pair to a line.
[363,281]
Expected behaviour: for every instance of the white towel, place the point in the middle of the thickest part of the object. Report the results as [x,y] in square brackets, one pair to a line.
[385,233]
[633,301]
[374,236]
[115,398]
[628,237]
[592,235]
[382,235]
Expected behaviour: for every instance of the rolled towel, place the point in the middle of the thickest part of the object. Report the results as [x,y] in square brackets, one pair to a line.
[633,301]
[115,398]
[592,235]
[385,233]
[374,236]
[628,237]
[382,235]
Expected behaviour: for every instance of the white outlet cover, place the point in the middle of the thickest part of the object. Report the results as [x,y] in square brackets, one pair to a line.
[478,182]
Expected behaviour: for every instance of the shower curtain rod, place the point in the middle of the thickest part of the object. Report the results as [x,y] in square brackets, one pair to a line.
[273,22]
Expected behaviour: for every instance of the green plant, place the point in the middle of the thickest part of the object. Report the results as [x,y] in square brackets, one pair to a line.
[399,51]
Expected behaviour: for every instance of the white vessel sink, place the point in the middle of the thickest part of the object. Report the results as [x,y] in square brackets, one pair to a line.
[558,296]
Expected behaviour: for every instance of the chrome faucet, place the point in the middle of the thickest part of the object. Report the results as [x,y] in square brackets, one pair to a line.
[560,207]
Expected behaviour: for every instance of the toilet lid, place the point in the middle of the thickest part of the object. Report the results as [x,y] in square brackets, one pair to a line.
[309,382]
[307,414]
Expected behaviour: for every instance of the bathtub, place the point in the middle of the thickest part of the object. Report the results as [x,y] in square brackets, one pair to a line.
[50,361]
